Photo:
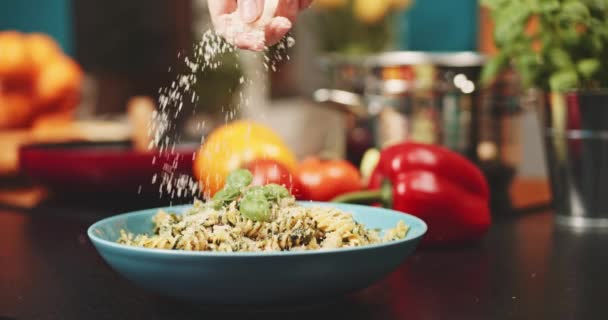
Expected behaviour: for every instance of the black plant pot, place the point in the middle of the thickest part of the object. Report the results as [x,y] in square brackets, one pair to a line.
[575,130]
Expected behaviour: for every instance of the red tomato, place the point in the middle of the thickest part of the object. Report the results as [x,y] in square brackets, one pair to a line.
[323,180]
[267,171]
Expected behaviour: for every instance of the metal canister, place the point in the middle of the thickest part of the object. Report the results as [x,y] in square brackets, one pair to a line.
[575,126]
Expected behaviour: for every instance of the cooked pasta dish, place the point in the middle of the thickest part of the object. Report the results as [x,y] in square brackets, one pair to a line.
[258,218]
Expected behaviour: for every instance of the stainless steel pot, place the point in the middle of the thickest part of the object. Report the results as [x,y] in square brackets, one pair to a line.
[432,98]
[417,96]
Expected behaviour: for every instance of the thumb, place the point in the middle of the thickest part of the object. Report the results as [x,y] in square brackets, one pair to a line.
[250,10]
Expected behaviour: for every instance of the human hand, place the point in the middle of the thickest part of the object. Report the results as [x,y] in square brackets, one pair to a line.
[254,24]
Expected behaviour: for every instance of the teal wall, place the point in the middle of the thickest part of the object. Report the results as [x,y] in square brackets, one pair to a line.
[53,17]
[430,25]
[439,25]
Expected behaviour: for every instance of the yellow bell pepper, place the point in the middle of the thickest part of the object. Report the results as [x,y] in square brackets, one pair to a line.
[234,145]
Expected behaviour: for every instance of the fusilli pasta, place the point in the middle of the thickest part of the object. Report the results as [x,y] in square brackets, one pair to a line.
[291,227]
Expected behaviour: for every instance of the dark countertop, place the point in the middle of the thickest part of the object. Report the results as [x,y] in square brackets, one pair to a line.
[526,268]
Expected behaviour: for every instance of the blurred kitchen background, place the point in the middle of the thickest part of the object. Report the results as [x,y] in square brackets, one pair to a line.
[341,92]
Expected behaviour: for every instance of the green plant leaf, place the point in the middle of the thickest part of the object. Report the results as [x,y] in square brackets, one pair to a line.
[494,4]
[588,67]
[493,68]
[563,80]
[534,5]
[560,58]
[510,23]
[548,6]
[527,65]
[575,10]
[597,43]
[600,5]
[572,38]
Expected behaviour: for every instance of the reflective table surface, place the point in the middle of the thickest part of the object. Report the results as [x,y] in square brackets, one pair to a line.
[526,268]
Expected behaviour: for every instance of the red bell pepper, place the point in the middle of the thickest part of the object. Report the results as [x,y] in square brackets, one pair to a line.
[439,186]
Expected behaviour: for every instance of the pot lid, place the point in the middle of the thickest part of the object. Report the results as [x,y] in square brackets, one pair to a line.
[446,59]
[405,58]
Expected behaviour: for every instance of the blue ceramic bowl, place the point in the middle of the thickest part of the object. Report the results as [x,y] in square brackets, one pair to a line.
[245,278]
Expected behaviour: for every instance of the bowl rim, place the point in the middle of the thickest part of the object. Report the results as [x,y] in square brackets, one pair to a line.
[423,228]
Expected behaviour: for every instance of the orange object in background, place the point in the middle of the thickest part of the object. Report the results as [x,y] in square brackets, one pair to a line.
[14,110]
[36,79]
[232,146]
[57,81]
[13,56]
[42,50]
[486,32]
[40,87]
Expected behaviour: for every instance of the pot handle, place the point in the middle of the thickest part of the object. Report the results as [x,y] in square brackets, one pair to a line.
[341,100]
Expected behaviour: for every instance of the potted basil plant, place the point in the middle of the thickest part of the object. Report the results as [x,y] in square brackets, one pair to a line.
[560,48]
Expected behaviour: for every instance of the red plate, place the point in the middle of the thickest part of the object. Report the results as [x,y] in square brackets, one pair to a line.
[108,167]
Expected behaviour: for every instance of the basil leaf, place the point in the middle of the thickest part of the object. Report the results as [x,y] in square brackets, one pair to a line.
[239,178]
[225,196]
[275,192]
